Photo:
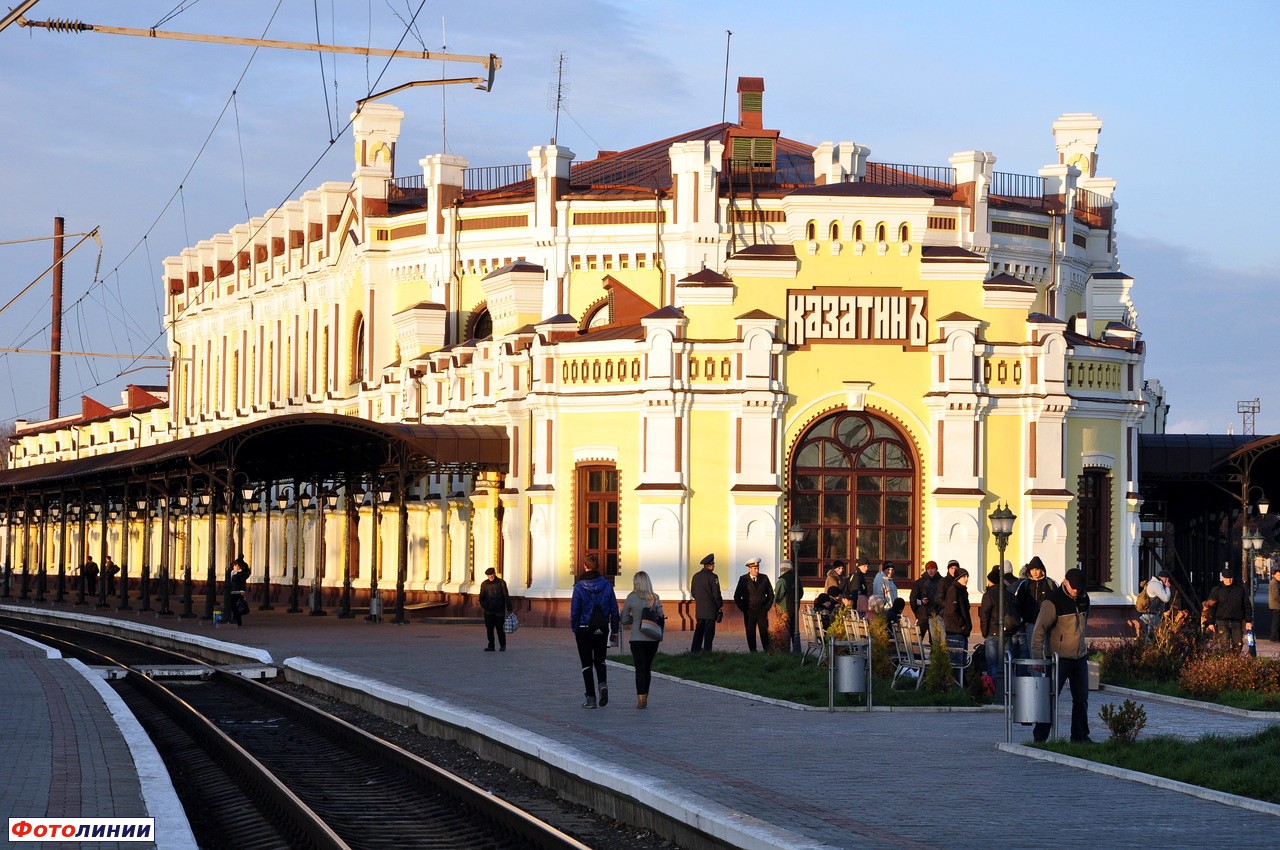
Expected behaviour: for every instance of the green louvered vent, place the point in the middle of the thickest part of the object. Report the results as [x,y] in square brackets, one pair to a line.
[752,101]
[757,152]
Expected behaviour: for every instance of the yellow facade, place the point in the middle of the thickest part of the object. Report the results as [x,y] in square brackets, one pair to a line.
[687,345]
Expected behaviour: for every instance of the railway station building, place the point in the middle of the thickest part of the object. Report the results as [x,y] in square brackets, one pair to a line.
[726,341]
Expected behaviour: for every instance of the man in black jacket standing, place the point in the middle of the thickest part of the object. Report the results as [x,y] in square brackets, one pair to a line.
[496,603]
[926,597]
[754,597]
[1234,609]
[1031,591]
[708,604]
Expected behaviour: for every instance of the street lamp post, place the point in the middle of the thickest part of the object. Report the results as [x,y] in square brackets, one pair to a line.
[349,517]
[40,567]
[324,499]
[163,504]
[26,572]
[142,507]
[8,547]
[187,509]
[1002,520]
[795,534]
[60,517]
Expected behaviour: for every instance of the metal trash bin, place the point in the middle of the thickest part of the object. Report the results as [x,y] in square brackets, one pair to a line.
[1030,695]
[375,606]
[851,674]
[849,670]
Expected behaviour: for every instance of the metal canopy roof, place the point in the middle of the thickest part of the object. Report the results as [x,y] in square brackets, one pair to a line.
[307,446]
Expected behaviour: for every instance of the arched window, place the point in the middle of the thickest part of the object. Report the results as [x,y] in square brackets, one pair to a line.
[904,232]
[357,349]
[857,232]
[854,486]
[882,232]
[811,231]
[480,325]
[835,231]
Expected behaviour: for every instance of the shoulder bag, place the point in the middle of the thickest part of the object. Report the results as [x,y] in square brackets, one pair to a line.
[652,622]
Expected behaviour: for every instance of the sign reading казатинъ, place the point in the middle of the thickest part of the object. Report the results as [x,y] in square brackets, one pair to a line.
[857,315]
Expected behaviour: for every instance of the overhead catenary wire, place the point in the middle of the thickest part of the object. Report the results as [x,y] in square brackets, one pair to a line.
[178,193]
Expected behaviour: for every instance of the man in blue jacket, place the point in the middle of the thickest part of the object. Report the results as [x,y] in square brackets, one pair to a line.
[593,615]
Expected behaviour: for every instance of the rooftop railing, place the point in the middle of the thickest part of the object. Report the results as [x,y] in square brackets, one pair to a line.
[493,177]
[940,177]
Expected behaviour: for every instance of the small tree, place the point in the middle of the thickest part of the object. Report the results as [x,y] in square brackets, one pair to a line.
[937,676]
[881,657]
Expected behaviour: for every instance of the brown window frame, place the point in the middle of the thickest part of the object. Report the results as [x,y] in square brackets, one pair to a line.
[604,522]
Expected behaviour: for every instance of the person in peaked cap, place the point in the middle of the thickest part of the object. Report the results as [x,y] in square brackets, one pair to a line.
[495,601]
[754,598]
[1233,613]
[708,604]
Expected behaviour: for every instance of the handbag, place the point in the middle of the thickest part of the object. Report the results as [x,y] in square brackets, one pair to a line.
[240,605]
[510,624]
[652,623]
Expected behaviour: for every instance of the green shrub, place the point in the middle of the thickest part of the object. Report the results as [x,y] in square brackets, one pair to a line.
[1125,720]
[938,677]
[881,654]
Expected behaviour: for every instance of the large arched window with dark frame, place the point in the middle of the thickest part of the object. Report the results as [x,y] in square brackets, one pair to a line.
[854,486]
[598,515]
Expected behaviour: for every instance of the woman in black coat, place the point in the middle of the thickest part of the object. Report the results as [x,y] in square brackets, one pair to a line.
[956,619]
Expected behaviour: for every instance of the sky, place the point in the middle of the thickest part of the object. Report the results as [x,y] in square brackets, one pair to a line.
[160,144]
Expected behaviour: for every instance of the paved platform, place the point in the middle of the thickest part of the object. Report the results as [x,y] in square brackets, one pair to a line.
[71,749]
[787,778]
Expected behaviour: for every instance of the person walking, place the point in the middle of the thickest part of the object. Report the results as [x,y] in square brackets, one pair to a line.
[754,598]
[495,601]
[593,615]
[643,647]
[708,604]
[236,586]
[1273,603]
[1233,609]
[1060,628]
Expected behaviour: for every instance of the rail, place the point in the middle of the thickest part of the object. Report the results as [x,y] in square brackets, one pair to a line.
[937,177]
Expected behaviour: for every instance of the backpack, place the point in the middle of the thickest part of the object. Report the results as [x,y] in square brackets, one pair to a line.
[598,623]
[1143,602]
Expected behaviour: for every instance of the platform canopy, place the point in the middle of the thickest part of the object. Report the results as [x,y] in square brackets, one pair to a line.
[307,447]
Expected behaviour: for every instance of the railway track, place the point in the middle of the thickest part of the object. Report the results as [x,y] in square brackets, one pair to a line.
[257,768]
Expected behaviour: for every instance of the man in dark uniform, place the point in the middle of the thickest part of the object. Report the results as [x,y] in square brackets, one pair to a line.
[754,598]
[1233,615]
[708,604]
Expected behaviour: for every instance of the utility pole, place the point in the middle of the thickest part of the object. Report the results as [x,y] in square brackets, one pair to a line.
[55,333]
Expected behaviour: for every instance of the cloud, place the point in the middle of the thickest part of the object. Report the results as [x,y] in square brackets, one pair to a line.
[1209,331]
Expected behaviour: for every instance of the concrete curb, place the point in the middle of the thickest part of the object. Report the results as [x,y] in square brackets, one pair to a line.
[906,709]
[172,829]
[1192,703]
[721,822]
[125,629]
[1144,778]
